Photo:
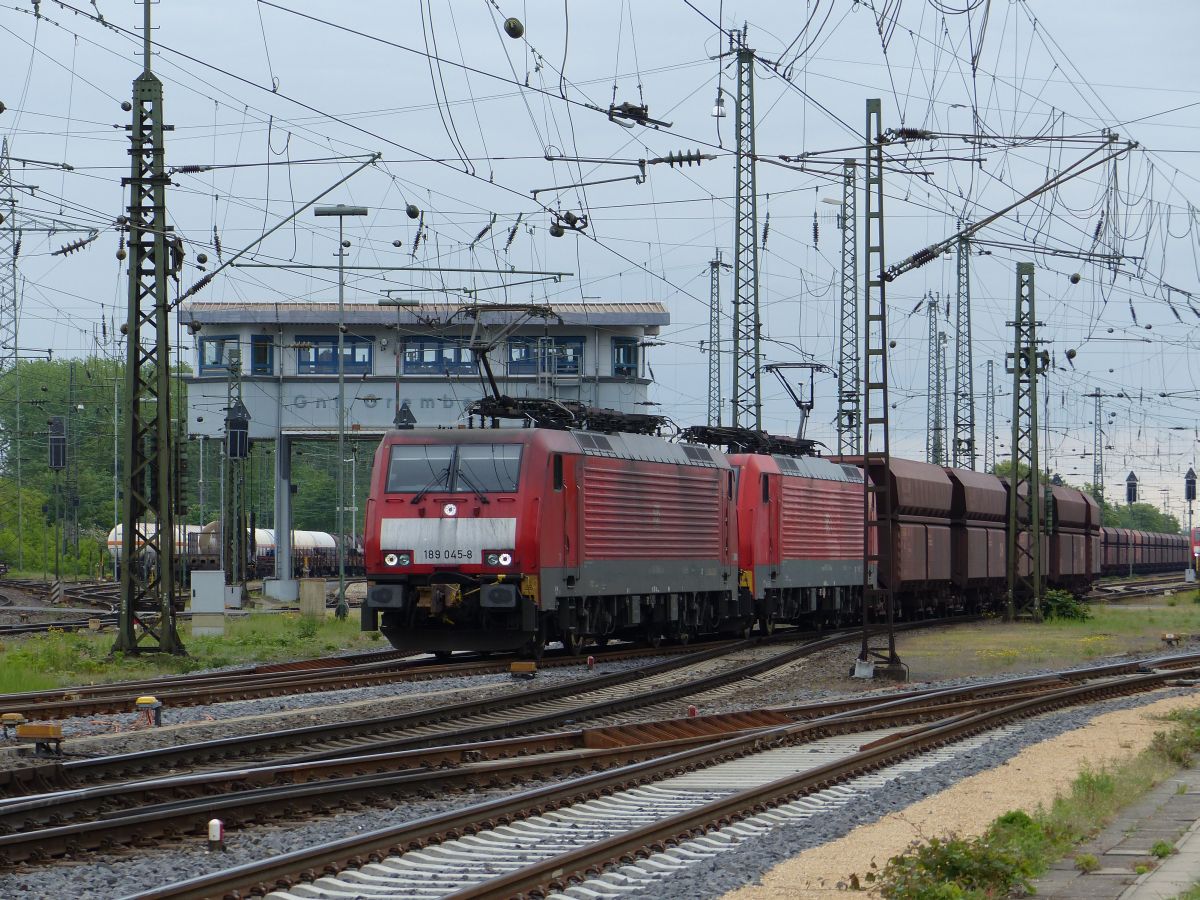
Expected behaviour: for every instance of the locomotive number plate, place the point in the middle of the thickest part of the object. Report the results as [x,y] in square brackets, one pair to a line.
[442,554]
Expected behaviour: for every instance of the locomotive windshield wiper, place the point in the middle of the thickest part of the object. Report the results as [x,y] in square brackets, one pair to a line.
[462,476]
[441,477]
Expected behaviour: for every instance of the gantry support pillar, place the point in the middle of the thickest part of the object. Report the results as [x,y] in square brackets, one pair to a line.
[877,655]
[148,570]
[747,328]
[849,401]
[963,447]
[1025,502]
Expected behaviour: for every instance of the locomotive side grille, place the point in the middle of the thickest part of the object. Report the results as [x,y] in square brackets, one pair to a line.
[632,514]
[821,520]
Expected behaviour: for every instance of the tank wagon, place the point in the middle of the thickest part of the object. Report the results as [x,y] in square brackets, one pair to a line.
[314,553]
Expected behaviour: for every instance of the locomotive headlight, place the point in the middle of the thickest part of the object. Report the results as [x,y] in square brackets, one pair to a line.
[403,558]
[505,559]
[492,559]
[392,559]
[497,558]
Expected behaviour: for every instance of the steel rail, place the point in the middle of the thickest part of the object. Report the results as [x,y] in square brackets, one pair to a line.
[34,827]
[52,773]
[306,865]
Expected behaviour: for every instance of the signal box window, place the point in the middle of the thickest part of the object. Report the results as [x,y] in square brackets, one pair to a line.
[434,357]
[545,356]
[317,355]
[214,353]
[262,355]
[625,357]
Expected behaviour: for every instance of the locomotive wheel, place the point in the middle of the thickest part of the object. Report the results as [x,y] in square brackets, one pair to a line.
[654,637]
[746,630]
[573,642]
[766,625]
[684,638]
[443,655]
[535,649]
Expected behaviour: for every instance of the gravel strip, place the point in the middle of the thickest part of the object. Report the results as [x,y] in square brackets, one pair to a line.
[123,733]
[105,876]
[747,862]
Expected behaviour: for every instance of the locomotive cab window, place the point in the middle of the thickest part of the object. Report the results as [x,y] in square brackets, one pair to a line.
[487,467]
[465,468]
[558,472]
[416,467]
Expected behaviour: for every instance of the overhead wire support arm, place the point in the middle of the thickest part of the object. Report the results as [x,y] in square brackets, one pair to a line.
[207,279]
[933,251]
[682,158]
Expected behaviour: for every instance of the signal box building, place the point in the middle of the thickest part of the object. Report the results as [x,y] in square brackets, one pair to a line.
[402,365]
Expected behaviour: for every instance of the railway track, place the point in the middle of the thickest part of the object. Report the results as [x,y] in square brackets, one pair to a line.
[1146,586]
[314,676]
[40,828]
[79,819]
[694,795]
[473,720]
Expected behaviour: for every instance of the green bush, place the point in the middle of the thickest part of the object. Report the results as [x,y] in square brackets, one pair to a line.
[1064,606]
[1162,849]
[1018,847]
[955,868]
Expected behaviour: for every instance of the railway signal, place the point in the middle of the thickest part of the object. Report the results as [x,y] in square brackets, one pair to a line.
[1131,484]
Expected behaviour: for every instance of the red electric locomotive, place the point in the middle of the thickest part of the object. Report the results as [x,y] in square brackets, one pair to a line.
[504,539]
[800,550]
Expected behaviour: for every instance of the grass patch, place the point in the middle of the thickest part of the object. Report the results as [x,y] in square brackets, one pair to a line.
[59,659]
[1017,847]
[996,647]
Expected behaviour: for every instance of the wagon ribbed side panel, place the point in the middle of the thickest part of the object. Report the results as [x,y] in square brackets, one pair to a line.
[634,511]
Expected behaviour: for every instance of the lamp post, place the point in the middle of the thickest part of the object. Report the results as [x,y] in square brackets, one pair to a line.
[353,460]
[1189,494]
[1131,495]
[341,211]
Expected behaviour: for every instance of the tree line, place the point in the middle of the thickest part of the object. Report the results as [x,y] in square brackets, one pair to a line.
[73,510]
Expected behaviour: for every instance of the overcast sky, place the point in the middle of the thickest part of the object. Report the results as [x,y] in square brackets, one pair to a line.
[251,83]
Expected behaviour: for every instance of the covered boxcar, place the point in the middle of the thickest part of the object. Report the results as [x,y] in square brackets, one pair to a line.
[1066,567]
[978,519]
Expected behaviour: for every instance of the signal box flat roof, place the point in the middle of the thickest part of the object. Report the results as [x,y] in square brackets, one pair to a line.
[303,312]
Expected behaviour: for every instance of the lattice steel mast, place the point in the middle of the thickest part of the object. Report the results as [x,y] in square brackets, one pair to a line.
[964,379]
[935,413]
[148,571]
[989,420]
[1025,501]
[1098,446]
[747,384]
[10,242]
[877,645]
[233,485]
[714,338]
[849,405]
